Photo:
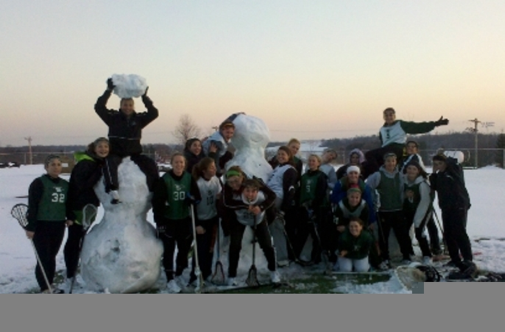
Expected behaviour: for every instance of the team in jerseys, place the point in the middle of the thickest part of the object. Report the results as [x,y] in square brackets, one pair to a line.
[349,212]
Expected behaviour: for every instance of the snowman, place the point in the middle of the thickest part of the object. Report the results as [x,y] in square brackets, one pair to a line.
[121,254]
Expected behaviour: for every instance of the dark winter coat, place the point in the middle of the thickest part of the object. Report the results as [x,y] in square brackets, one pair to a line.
[192,159]
[85,174]
[125,132]
[450,187]
[356,247]
[344,213]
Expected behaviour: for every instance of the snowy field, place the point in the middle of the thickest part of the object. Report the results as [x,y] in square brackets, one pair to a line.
[486,227]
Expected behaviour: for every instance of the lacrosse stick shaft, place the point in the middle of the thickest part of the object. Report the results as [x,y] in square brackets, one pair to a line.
[42,268]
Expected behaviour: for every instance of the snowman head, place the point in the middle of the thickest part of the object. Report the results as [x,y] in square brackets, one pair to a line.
[250,132]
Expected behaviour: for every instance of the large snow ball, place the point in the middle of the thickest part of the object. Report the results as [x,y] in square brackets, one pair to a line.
[460,156]
[250,140]
[122,253]
[129,86]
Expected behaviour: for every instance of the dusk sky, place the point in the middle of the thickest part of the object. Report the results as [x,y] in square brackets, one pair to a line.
[309,69]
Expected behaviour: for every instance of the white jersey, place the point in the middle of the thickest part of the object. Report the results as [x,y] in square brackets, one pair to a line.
[208,190]
[275,182]
[393,134]
[247,218]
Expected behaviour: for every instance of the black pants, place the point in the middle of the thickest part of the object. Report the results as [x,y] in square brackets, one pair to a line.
[432,228]
[420,232]
[262,235]
[172,232]
[146,165]
[321,240]
[375,158]
[396,221]
[205,252]
[47,240]
[456,237]
[72,249]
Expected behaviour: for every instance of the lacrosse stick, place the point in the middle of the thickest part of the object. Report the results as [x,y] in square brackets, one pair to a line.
[326,255]
[441,229]
[252,276]
[198,273]
[290,245]
[88,216]
[218,276]
[19,213]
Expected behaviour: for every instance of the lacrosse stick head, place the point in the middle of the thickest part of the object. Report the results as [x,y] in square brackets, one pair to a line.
[218,277]
[88,215]
[19,212]
[252,277]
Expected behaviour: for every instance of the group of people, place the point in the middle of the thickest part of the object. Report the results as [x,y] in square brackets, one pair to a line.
[349,212]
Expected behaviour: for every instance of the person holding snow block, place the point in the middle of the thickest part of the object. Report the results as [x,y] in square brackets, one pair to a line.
[447,180]
[47,217]
[248,200]
[125,132]
[206,219]
[393,135]
[283,182]
[354,247]
[216,145]
[389,184]
[315,207]
[172,196]
[85,174]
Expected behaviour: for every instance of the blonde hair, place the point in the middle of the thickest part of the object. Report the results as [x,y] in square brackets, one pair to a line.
[294,140]
[317,157]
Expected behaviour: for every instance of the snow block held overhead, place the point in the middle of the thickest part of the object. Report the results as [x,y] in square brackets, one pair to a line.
[129,86]
[122,254]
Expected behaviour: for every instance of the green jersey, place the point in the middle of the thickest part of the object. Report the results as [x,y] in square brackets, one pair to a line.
[52,203]
[177,207]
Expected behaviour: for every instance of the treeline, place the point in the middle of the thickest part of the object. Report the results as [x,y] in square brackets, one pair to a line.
[488,143]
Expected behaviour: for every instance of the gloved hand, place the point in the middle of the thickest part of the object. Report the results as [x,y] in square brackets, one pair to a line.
[191,199]
[441,122]
[110,84]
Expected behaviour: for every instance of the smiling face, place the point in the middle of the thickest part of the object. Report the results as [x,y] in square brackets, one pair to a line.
[196,148]
[294,147]
[313,163]
[389,117]
[210,171]
[355,228]
[411,148]
[53,168]
[102,149]
[235,182]
[250,193]
[353,177]
[178,164]
[439,165]
[127,106]
[354,198]
[412,172]
[282,157]
[390,163]
[227,133]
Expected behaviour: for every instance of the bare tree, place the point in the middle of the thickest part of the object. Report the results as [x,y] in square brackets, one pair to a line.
[186,129]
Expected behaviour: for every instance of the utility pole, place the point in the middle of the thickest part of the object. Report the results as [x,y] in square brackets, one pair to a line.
[29,139]
[475,130]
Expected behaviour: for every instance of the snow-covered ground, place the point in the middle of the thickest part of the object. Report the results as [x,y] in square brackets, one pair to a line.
[486,227]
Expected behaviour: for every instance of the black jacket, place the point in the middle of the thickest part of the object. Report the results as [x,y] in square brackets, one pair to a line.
[450,187]
[125,133]
[86,173]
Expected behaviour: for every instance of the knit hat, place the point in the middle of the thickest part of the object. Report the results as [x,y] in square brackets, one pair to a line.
[353,168]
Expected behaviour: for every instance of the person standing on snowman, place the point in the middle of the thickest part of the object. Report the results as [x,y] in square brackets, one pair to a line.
[125,132]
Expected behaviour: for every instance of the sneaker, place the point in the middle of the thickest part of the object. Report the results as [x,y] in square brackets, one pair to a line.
[115,197]
[471,269]
[275,277]
[385,265]
[232,282]
[173,287]
[283,263]
[427,260]
[450,263]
